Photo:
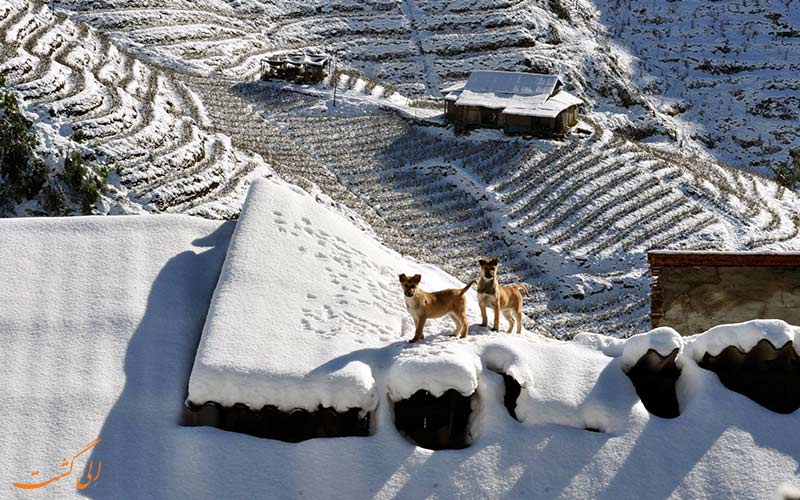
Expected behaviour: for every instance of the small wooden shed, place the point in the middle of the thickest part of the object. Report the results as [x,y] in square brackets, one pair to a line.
[299,67]
[519,103]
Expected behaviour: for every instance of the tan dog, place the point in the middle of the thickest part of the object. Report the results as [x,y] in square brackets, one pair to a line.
[492,294]
[423,305]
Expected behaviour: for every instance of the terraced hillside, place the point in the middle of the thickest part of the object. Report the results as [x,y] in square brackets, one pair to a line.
[724,74]
[572,219]
[718,79]
[137,119]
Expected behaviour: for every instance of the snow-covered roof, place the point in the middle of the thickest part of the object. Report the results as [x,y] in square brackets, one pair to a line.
[454,87]
[524,94]
[100,317]
[508,82]
[542,108]
[303,287]
[453,95]
[298,58]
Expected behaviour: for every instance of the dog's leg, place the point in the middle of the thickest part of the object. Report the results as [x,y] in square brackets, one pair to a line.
[508,315]
[484,319]
[519,321]
[457,321]
[496,327]
[464,324]
[420,326]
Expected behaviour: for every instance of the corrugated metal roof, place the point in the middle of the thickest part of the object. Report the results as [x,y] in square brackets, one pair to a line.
[549,108]
[454,87]
[507,82]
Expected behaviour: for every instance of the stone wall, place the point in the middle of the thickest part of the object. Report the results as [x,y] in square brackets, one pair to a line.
[692,292]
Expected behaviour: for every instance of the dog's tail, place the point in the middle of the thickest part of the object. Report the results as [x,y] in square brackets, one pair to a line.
[523,287]
[466,288]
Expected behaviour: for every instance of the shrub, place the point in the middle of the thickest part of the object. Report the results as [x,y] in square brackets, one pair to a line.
[54,201]
[559,10]
[89,194]
[85,184]
[74,171]
[788,173]
[24,175]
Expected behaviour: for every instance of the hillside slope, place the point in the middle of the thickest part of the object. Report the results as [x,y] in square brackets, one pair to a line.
[138,120]
[572,219]
[714,78]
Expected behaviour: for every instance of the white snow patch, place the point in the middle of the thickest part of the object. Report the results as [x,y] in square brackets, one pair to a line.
[100,317]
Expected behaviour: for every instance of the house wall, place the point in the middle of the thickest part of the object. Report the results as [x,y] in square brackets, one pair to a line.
[487,117]
[516,124]
[567,118]
[452,113]
[474,115]
[692,299]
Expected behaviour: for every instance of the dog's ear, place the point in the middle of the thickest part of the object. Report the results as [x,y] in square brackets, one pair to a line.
[416,279]
[494,261]
[403,278]
[482,262]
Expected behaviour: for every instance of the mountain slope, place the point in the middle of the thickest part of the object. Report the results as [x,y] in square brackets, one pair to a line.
[714,78]
[572,219]
[135,119]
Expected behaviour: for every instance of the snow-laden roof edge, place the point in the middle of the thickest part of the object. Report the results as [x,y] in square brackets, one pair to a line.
[744,336]
[662,340]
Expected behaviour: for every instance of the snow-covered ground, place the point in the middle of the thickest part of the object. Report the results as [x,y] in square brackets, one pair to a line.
[100,318]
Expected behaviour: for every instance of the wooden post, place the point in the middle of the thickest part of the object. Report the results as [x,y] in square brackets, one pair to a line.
[334,80]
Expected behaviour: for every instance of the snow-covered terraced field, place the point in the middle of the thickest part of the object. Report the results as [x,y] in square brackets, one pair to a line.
[724,74]
[720,78]
[137,119]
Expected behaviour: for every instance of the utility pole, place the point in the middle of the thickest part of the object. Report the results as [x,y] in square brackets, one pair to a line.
[334,79]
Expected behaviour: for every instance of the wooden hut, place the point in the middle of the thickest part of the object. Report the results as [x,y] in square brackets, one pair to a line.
[299,67]
[519,103]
